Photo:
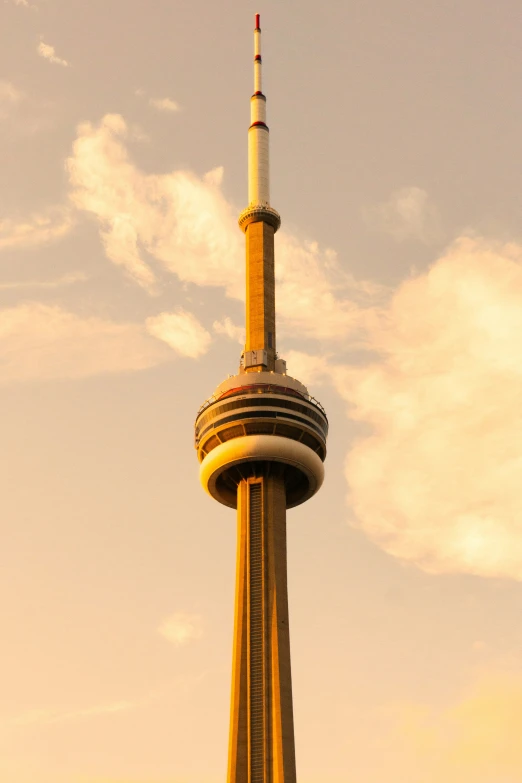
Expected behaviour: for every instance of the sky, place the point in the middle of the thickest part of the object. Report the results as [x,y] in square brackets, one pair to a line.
[396,131]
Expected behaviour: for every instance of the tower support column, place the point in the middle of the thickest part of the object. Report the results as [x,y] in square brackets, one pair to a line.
[261,747]
[260,294]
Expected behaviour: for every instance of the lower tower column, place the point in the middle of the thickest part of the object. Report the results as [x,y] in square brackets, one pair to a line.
[261,747]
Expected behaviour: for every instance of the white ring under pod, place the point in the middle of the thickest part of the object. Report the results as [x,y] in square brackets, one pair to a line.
[262,448]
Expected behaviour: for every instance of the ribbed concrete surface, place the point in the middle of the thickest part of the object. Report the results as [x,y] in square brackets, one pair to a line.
[260,293]
[261,748]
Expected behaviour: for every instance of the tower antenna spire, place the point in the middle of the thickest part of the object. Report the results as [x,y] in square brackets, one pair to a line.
[258,150]
[259,221]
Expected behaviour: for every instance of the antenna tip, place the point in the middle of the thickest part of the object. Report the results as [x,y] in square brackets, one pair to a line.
[257,21]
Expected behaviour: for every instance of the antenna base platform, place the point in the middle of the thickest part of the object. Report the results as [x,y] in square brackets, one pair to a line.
[259,213]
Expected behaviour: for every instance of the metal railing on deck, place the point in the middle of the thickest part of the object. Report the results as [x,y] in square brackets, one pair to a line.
[261,389]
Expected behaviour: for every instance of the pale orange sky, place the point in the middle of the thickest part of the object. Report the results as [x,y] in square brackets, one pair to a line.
[395,132]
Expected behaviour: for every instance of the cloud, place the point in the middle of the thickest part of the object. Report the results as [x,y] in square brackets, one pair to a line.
[167,105]
[181,628]
[39,229]
[436,481]
[182,331]
[178,221]
[317,299]
[182,224]
[70,279]
[408,214]
[164,104]
[10,97]
[48,716]
[42,342]
[475,739]
[48,53]
[228,328]
[308,368]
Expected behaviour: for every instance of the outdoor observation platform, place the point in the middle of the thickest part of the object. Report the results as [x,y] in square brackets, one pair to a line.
[256,423]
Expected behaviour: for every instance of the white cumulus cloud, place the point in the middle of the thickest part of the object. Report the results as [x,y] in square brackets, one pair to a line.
[41,342]
[183,224]
[308,368]
[180,220]
[35,230]
[316,298]
[164,104]
[437,480]
[228,328]
[181,628]
[48,53]
[182,331]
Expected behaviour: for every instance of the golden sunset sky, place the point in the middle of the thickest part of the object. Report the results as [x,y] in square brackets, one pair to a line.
[396,137]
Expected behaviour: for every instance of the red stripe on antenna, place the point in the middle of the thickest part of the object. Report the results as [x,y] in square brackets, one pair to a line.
[257,21]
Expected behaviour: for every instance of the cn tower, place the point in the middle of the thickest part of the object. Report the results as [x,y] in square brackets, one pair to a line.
[261,444]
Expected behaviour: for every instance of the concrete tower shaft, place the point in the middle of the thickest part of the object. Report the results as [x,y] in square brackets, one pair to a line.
[261,444]
[261,744]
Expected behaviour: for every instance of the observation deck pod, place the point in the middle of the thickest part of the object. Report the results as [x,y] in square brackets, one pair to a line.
[258,424]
